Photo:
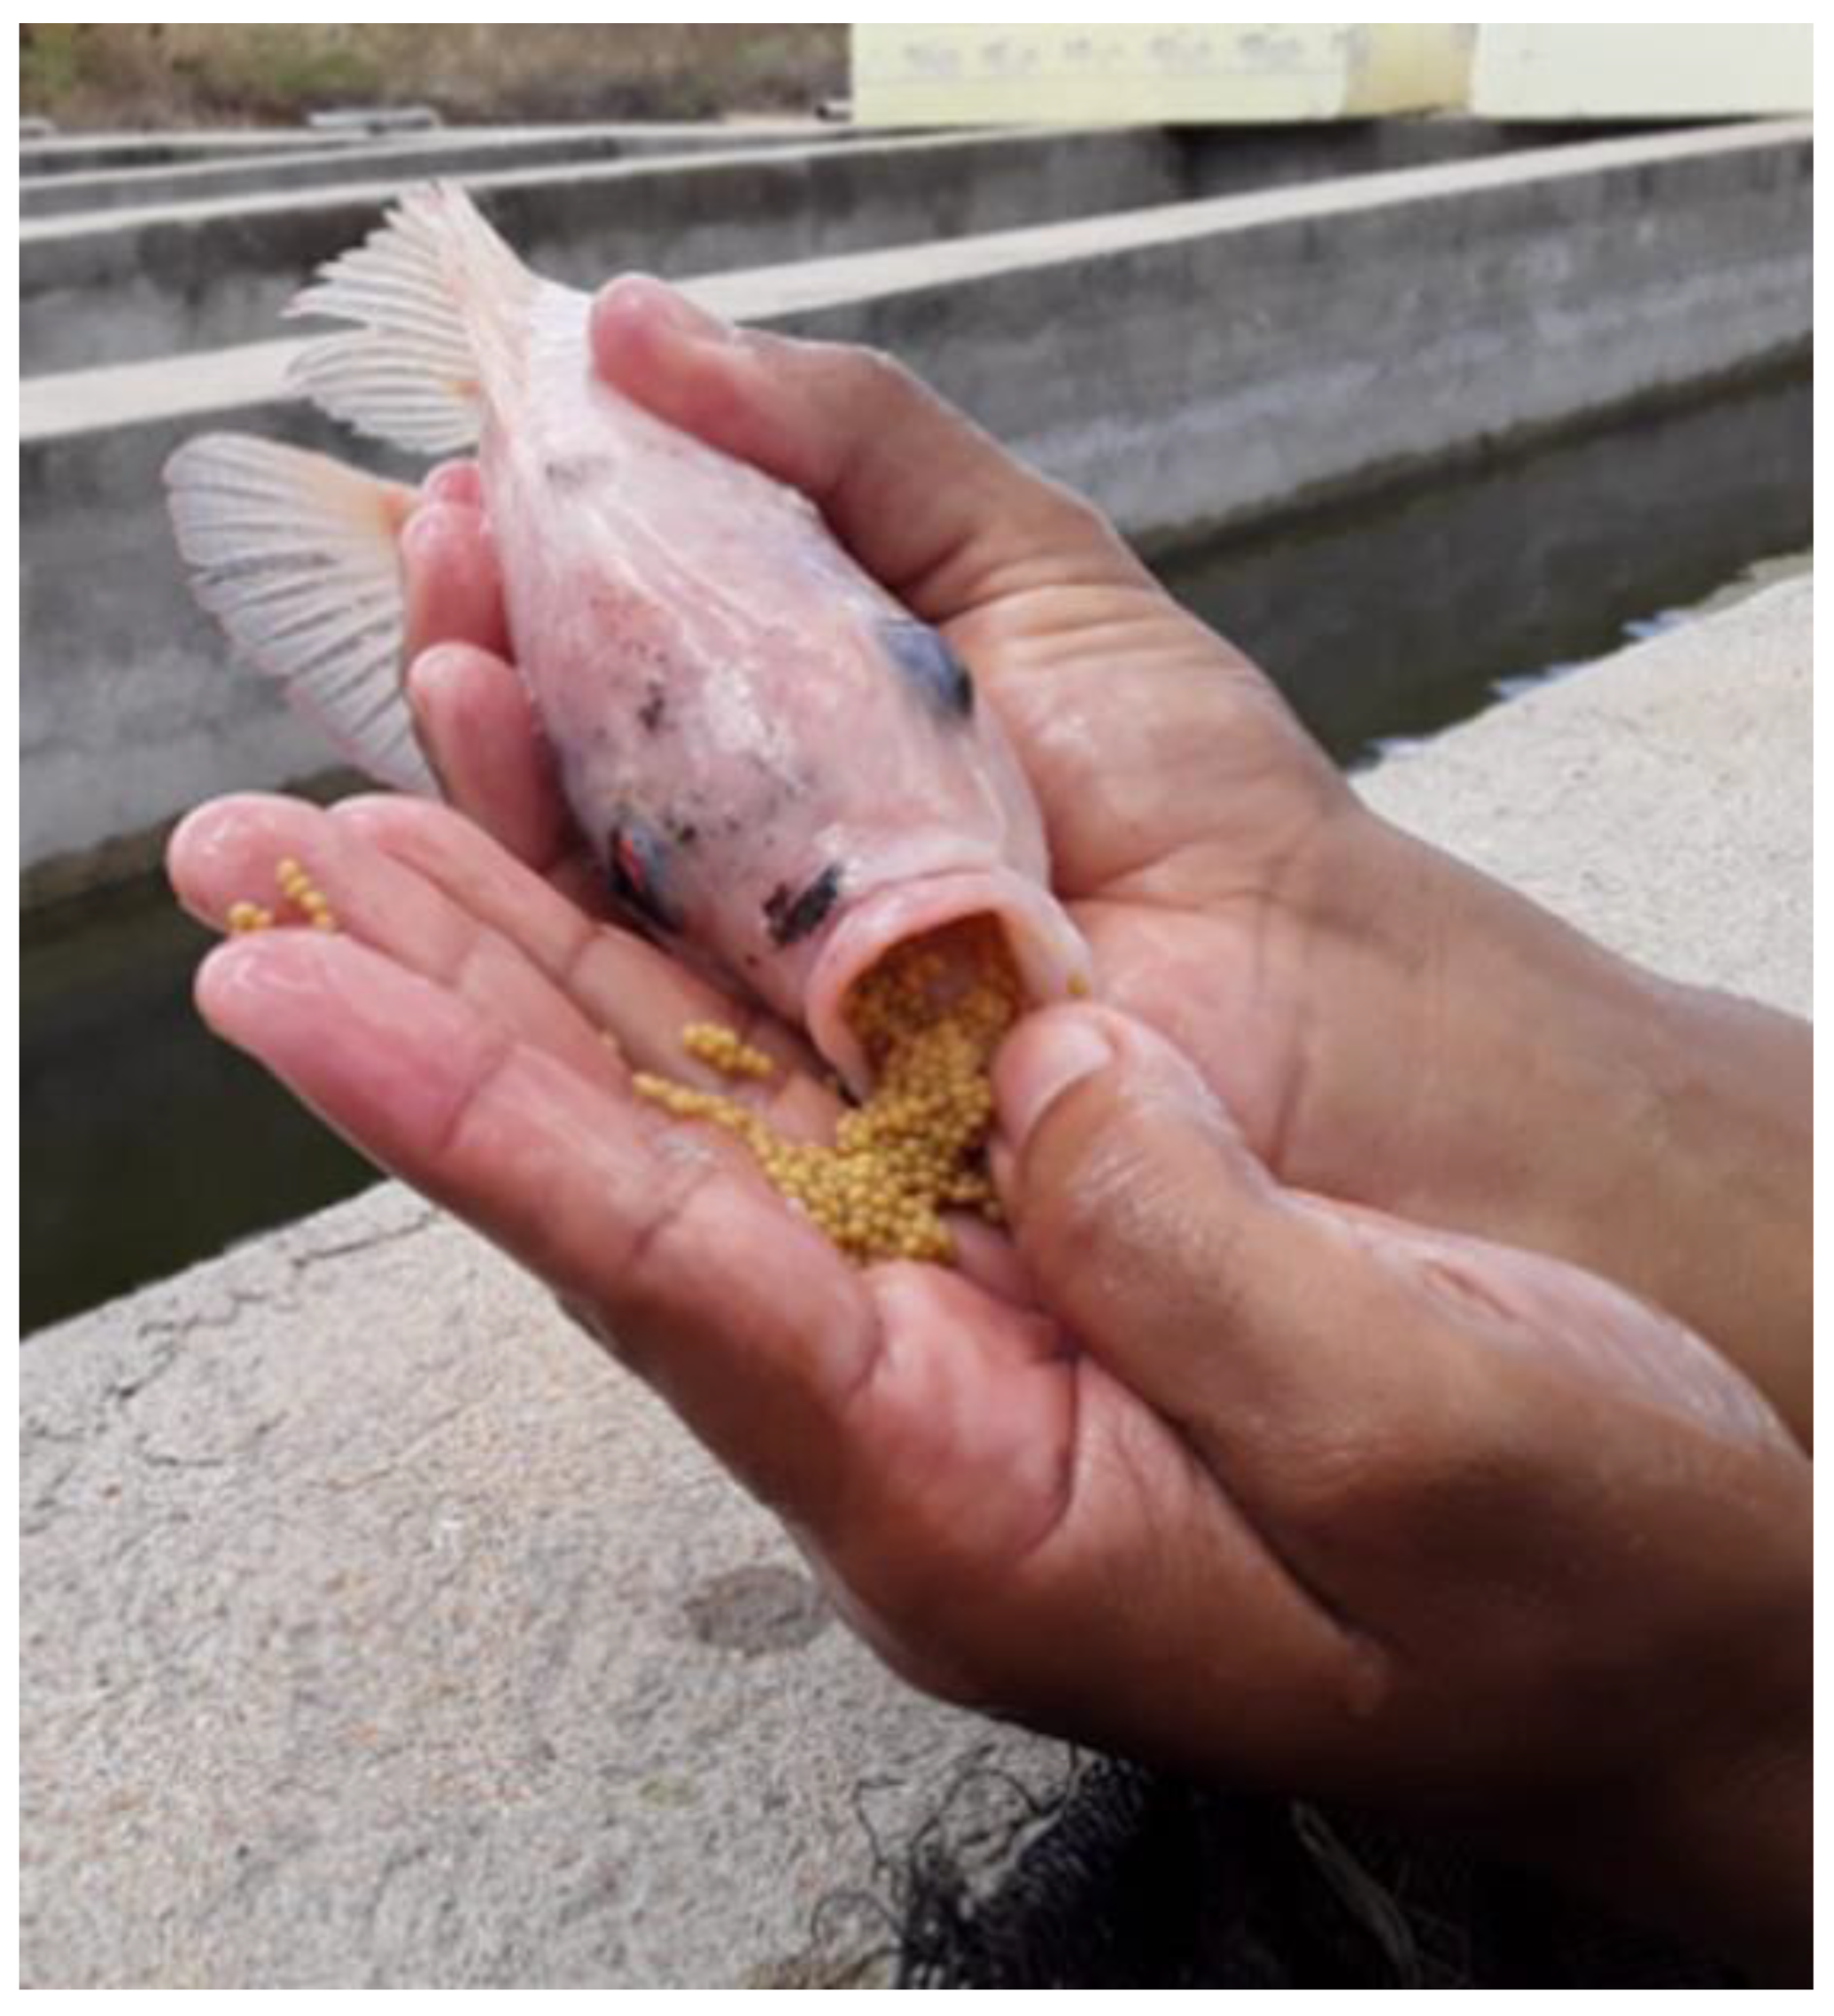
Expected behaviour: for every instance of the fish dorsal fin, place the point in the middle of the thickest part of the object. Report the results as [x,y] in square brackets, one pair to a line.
[296,556]
[436,296]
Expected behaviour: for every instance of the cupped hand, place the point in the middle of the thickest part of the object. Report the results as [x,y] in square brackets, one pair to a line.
[1386,1026]
[1312,1497]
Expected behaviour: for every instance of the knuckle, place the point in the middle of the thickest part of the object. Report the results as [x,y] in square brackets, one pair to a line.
[1077,514]
[872,373]
[867,385]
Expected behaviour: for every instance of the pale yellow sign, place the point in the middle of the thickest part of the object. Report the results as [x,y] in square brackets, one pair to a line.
[1165,75]
[1642,73]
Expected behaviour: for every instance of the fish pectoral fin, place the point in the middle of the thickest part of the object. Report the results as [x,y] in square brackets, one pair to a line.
[434,295]
[296,556]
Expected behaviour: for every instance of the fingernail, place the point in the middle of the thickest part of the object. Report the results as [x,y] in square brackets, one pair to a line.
[1040,1065]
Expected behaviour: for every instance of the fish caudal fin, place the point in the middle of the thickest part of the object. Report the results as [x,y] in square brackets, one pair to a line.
[295,556]
[436,297]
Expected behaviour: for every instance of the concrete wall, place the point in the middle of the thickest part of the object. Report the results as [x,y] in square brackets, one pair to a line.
[450,152]
[146,283]
[201,277]
[375,1631]
[1213,362]
[80,153]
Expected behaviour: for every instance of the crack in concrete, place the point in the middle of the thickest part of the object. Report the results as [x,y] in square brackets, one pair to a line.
[303,1260]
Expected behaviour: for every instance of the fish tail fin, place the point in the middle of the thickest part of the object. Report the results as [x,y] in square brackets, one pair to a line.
[296,556]
[436,298]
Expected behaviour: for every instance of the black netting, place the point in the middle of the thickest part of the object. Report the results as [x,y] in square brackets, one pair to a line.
[1126,1878]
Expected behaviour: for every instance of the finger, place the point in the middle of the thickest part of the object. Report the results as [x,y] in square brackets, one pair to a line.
[478,728]
[454,591]
[617,980]
[456,482]
[738,1312]
[929,505]
[228,852]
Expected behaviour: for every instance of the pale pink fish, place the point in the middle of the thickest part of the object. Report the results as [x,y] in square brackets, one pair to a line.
[783,772]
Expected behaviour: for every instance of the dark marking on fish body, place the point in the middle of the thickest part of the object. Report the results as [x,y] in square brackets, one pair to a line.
[566,473]
[636,868]
[655,710]
[683,832]
[792,918]
[923,659]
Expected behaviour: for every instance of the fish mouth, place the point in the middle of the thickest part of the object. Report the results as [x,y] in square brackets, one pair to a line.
[1048,952]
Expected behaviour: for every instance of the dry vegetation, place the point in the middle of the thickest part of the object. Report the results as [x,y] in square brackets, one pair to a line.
[187,74]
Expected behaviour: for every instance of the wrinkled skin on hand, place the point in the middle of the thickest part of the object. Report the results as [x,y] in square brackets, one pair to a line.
[1217,1460]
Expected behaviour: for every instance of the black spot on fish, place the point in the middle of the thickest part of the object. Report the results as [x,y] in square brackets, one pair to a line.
[570,472]
[655,710]
[792,918]
[923,658]
[683,832]
[636,868]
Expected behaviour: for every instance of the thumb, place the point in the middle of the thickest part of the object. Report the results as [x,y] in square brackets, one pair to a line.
[1150,1229]
[928,504]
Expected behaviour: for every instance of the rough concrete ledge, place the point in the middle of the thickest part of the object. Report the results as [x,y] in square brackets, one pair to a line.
[374,1632]
[1661,800]
[83,153]
[442,151]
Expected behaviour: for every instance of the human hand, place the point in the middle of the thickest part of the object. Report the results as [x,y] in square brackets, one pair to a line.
[1533,1503]
[1325,1503]
[1388,1027]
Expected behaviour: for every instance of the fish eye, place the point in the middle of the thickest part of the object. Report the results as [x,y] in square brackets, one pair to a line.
[922,659]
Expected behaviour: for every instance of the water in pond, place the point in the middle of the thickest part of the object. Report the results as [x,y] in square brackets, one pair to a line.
[1387,622]
[148,1145]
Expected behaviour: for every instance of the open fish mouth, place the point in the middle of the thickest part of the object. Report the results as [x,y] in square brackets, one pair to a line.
[1047,953]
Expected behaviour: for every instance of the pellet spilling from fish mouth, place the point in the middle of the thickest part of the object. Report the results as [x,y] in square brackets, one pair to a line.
[929,1016]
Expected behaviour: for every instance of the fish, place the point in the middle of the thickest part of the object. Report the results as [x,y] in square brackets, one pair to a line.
[782,773]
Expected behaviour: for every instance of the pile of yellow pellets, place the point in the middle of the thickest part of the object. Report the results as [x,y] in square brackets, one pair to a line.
[929,1016]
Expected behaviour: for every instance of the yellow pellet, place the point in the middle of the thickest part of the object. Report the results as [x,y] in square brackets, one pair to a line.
[726,1050]
[299,888]
[929,1016]
[304,894]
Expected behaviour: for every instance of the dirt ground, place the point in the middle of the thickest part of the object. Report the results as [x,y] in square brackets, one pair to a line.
[163,74]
